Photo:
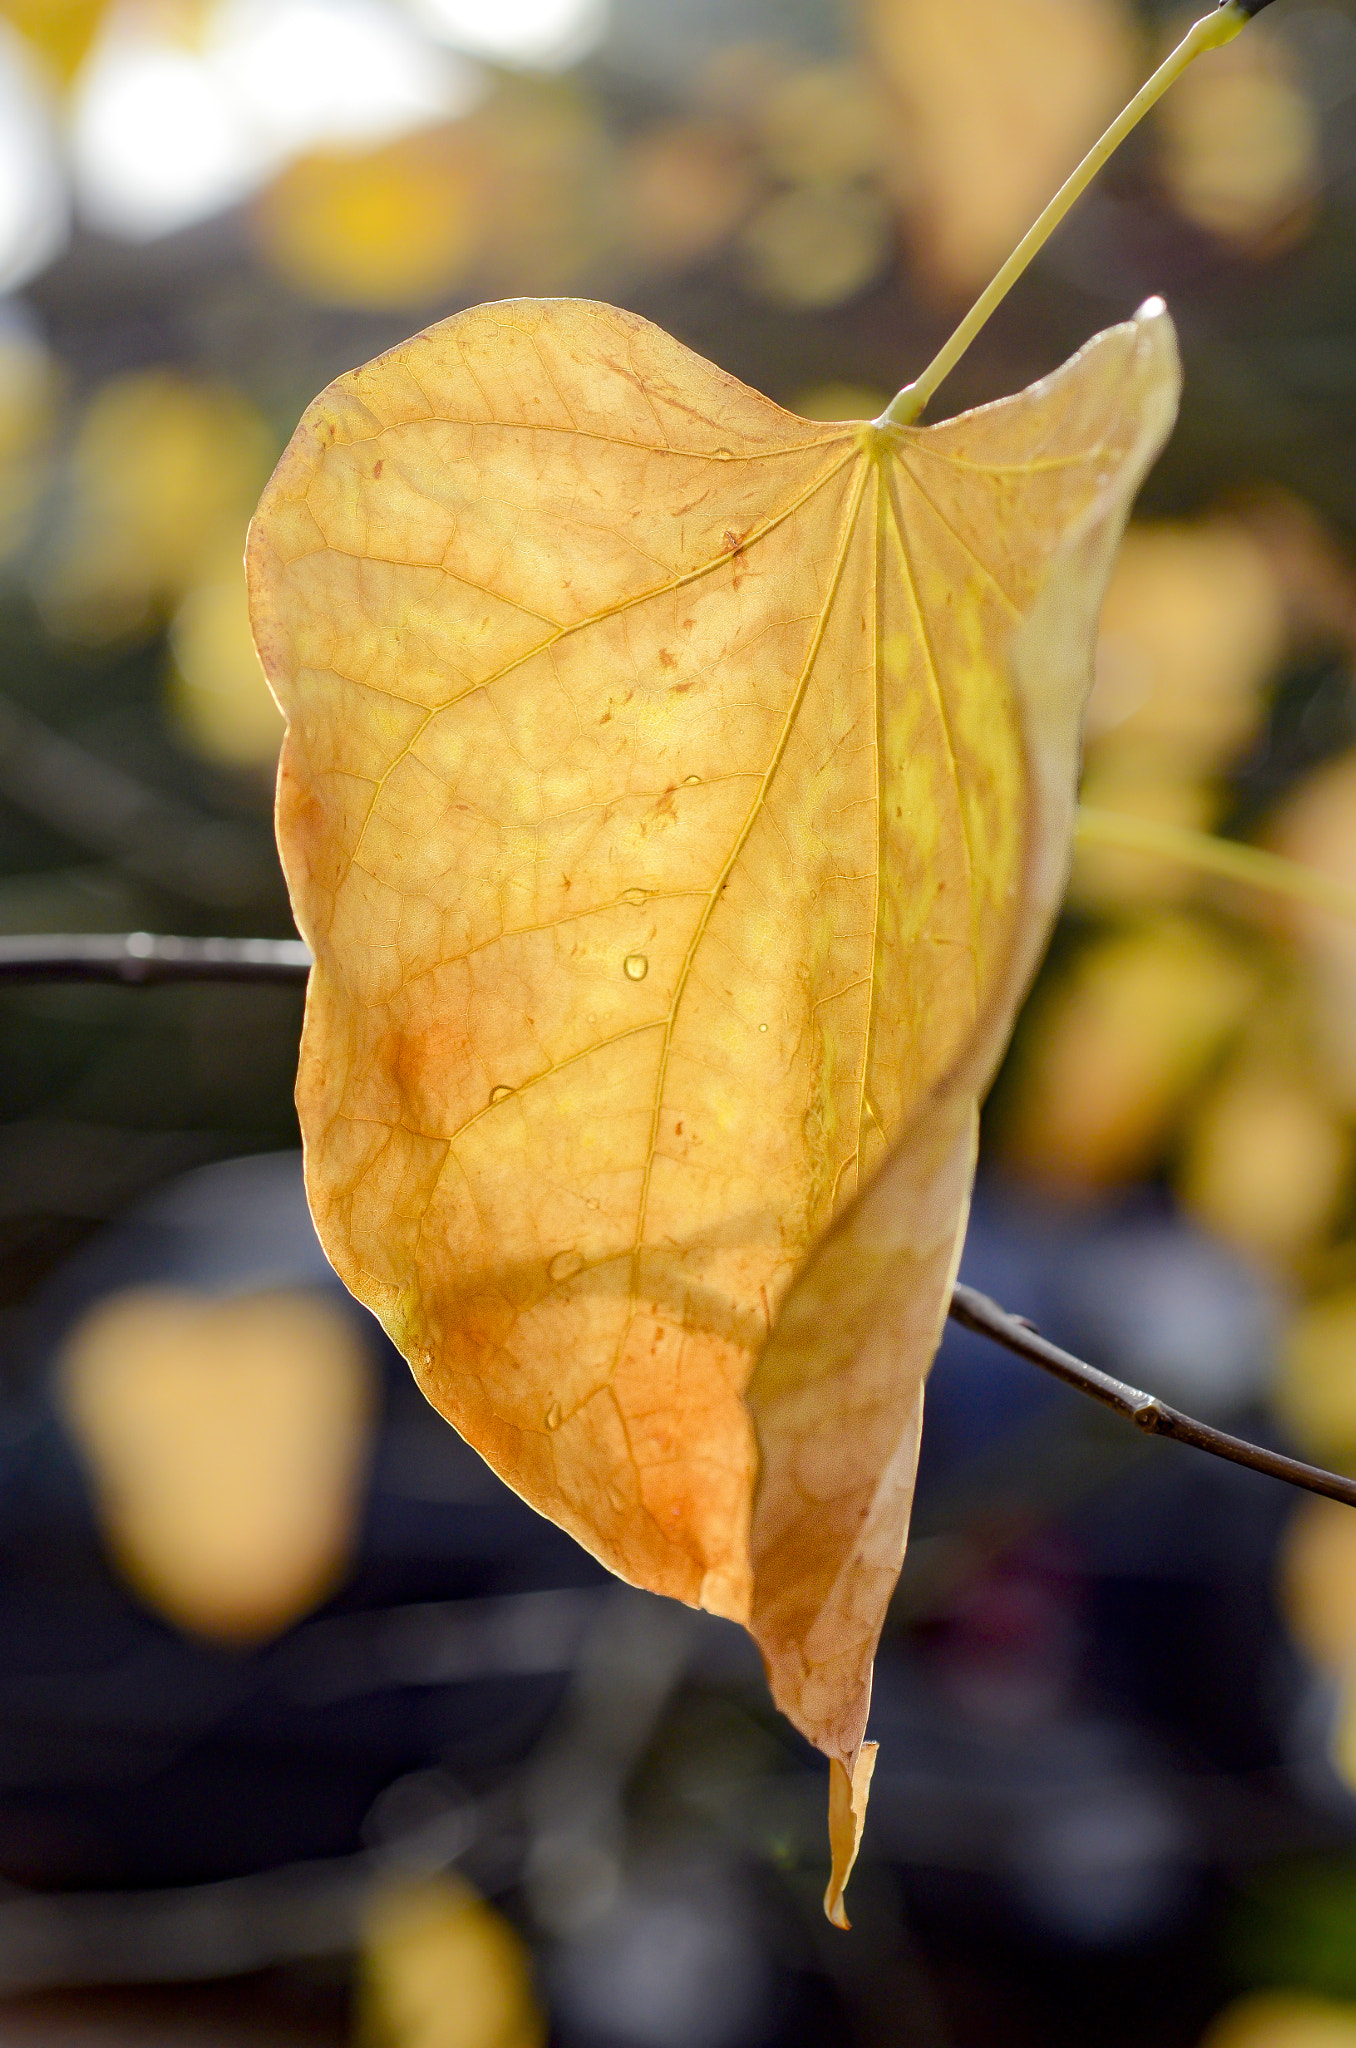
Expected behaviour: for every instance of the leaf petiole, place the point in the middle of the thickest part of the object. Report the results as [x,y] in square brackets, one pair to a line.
[1210,33]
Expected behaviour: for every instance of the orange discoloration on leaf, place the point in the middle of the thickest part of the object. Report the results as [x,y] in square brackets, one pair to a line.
[676,795]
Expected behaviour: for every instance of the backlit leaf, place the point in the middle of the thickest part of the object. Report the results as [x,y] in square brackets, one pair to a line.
[847,1811]
[676,796]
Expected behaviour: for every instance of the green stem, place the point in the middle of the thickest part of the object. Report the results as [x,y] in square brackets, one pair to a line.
[1236,862]
[1211,33]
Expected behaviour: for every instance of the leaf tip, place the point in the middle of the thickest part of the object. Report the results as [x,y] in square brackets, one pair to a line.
[848,1794]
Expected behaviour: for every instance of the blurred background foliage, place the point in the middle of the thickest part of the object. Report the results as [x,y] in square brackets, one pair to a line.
[309,1732]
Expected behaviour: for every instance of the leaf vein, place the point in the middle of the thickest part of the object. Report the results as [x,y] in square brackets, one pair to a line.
[627,604]
[911,585]
[741,840]
[1033,468]
[962,543]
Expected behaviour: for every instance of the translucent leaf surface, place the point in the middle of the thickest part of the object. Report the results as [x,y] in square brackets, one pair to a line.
[676,796]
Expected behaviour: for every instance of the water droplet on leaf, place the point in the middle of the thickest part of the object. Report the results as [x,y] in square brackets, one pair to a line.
[498,1094]
[635,967]
[564,1264]
[553,1416]
[633,896]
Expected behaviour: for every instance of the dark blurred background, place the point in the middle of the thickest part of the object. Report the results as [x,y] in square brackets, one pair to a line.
[310,1732]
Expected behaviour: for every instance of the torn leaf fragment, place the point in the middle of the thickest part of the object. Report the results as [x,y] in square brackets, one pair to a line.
[848,1792]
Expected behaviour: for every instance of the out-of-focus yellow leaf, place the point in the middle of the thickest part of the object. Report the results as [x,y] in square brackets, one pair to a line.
[1266,1163]
[1115,1048]
[1317,827]
[822,124]
[226,1443]
[1141,782]
[218,695]
[396,226]
[685,185]
[1283,2019]
[816,245]
[163,467]
[676,796]
[1342,1742]
[1192,626]
[62,29]
[1239,144]
[992,104]
[1317,1586]
[1313,568]
[1318,1582]
[551,185]
[523,193]
[1316,1387]
[439,1968]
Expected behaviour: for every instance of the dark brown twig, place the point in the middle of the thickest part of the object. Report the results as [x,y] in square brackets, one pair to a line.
[975,1311]
[140,958]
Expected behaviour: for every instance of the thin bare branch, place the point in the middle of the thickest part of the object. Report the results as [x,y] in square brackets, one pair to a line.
[139,958]
[975,1311]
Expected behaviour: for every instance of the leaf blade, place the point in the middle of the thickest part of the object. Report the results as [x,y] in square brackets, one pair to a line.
[674,817]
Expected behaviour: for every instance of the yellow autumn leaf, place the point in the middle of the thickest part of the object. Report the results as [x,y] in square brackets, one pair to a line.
[1316,827]
[676,796]
[162,472]
[1283,2019]
[1267,1161]
[226,1445]
[61,29]
[1317,1582]
[1240,146]
[1115,1049]
[989,102]
[440,1968]
[217,695]
[1315,1393]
